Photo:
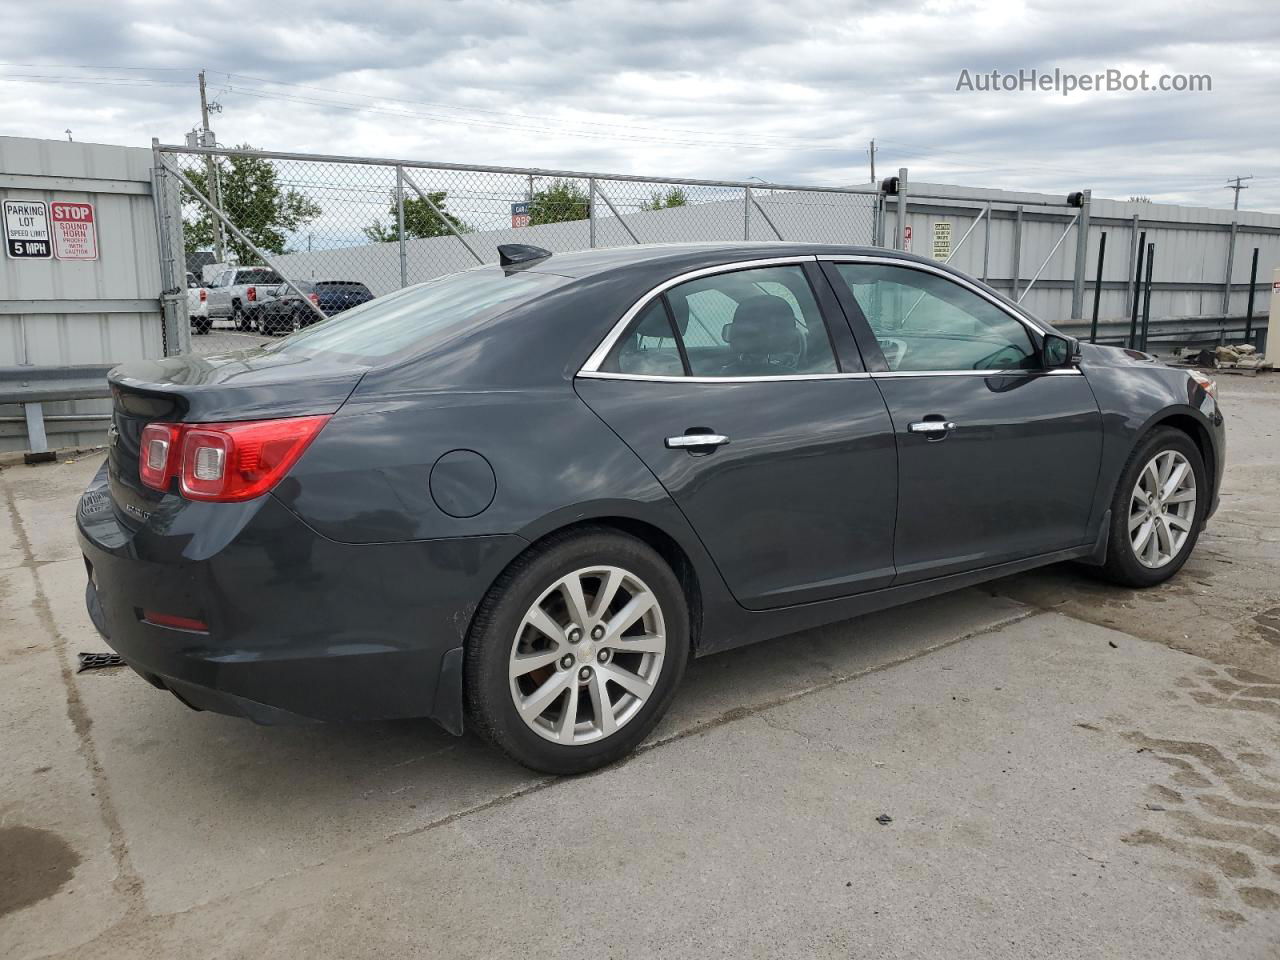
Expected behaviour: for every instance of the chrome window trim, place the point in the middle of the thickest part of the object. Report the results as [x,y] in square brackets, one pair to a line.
[936,271]
[591,369]
[601,353]
[663,378]
[1007,372]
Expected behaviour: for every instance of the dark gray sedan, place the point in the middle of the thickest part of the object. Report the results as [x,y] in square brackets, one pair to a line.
[521,497]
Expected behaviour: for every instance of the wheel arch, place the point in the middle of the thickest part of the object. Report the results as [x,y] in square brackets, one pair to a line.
[1188,421]
[663,543]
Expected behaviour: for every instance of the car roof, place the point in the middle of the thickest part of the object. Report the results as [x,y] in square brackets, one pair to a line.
[587,263]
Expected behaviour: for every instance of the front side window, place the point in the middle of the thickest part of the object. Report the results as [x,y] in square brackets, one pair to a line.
[925,322]
[762,322]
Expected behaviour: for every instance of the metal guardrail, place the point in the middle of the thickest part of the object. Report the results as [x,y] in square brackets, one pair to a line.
[1174,332]
[34,386]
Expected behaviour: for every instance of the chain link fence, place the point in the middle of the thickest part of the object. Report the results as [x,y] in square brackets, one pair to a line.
[280,240]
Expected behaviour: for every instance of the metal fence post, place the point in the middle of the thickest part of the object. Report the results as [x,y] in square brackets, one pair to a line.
[404,253]
[746,214]
[1137,292]
[166,198]
[1253,286]
[1226,280]
[1082,257]
[900,242]
[1130,282]
[986,242]
[1146,299]
[591,209]
[1097,288]
[1017,249]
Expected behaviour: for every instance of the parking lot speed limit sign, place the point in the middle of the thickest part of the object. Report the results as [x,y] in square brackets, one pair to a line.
[26,230]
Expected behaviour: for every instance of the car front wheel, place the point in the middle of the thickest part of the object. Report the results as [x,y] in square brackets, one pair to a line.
[1157,511]
[576,651]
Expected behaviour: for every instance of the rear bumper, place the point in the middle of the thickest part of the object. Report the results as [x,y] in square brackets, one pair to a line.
[297,624]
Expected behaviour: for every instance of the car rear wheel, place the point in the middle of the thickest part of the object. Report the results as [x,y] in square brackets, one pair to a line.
[238,317]
[1157,511]
[576,651]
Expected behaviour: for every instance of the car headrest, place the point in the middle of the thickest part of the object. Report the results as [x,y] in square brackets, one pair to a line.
[654,323]
[763,326]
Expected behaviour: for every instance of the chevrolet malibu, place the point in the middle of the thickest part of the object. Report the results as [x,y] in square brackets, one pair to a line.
[520,498]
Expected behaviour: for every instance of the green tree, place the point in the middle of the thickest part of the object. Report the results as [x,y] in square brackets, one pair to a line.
[252,198]
[419,220]
[674,197]
[559,201]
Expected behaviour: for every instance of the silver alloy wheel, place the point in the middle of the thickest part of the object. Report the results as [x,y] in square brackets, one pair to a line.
[587,655]
[1162,508]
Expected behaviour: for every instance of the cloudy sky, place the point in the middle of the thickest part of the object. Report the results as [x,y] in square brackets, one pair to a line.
[789,92]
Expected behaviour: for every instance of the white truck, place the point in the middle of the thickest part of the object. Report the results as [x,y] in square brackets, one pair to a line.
[235,290]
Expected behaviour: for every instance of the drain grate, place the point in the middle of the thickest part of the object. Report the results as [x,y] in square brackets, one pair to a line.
[94,661]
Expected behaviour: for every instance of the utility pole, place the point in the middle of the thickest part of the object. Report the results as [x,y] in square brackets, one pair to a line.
[211,171]
[873,160]
[1237,187]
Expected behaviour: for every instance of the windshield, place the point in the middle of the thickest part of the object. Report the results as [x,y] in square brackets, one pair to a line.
[419,316]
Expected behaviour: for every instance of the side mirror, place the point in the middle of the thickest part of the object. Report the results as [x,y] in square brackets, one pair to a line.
[1059,351]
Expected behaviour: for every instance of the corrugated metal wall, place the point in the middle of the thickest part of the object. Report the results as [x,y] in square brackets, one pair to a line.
[1192,243]
[58,312]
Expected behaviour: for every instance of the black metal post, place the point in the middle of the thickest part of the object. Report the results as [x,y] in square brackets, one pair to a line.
[1146,300]
[1253,285]
[1097,288]
[1137,292]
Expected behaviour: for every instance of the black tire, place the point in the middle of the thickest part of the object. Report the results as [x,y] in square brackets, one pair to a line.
[490,708]
[1122,565]
[204,326]
[238,317]
[265,326]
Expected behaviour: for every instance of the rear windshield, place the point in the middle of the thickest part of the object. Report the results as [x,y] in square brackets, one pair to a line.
[258,276]
[419,316]
[342,286]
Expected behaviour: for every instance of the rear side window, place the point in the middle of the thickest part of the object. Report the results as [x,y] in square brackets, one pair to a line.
[420,316]
[762,322]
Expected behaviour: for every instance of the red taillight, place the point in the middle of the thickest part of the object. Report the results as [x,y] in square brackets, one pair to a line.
[158,454]
[240,461]
[174,622]
[224,461]
[204,295]
[252,294]
[313,298]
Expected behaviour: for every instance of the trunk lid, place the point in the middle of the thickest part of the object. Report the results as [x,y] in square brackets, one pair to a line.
[253,385]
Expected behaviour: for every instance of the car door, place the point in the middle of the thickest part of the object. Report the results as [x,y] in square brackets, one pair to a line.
[997,456]
[762,426]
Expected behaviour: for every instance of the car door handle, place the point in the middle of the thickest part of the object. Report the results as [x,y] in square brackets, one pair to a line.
[935,428]
[694,440]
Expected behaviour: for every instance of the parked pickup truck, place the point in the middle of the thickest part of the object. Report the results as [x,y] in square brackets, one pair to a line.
[235,290]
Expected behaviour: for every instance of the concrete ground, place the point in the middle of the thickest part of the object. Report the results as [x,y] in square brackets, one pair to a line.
[1071,770]
[225,338]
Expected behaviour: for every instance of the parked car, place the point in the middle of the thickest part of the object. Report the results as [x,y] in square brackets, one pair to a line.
[235,291]
[283,310]
[197,305]
[520,497]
